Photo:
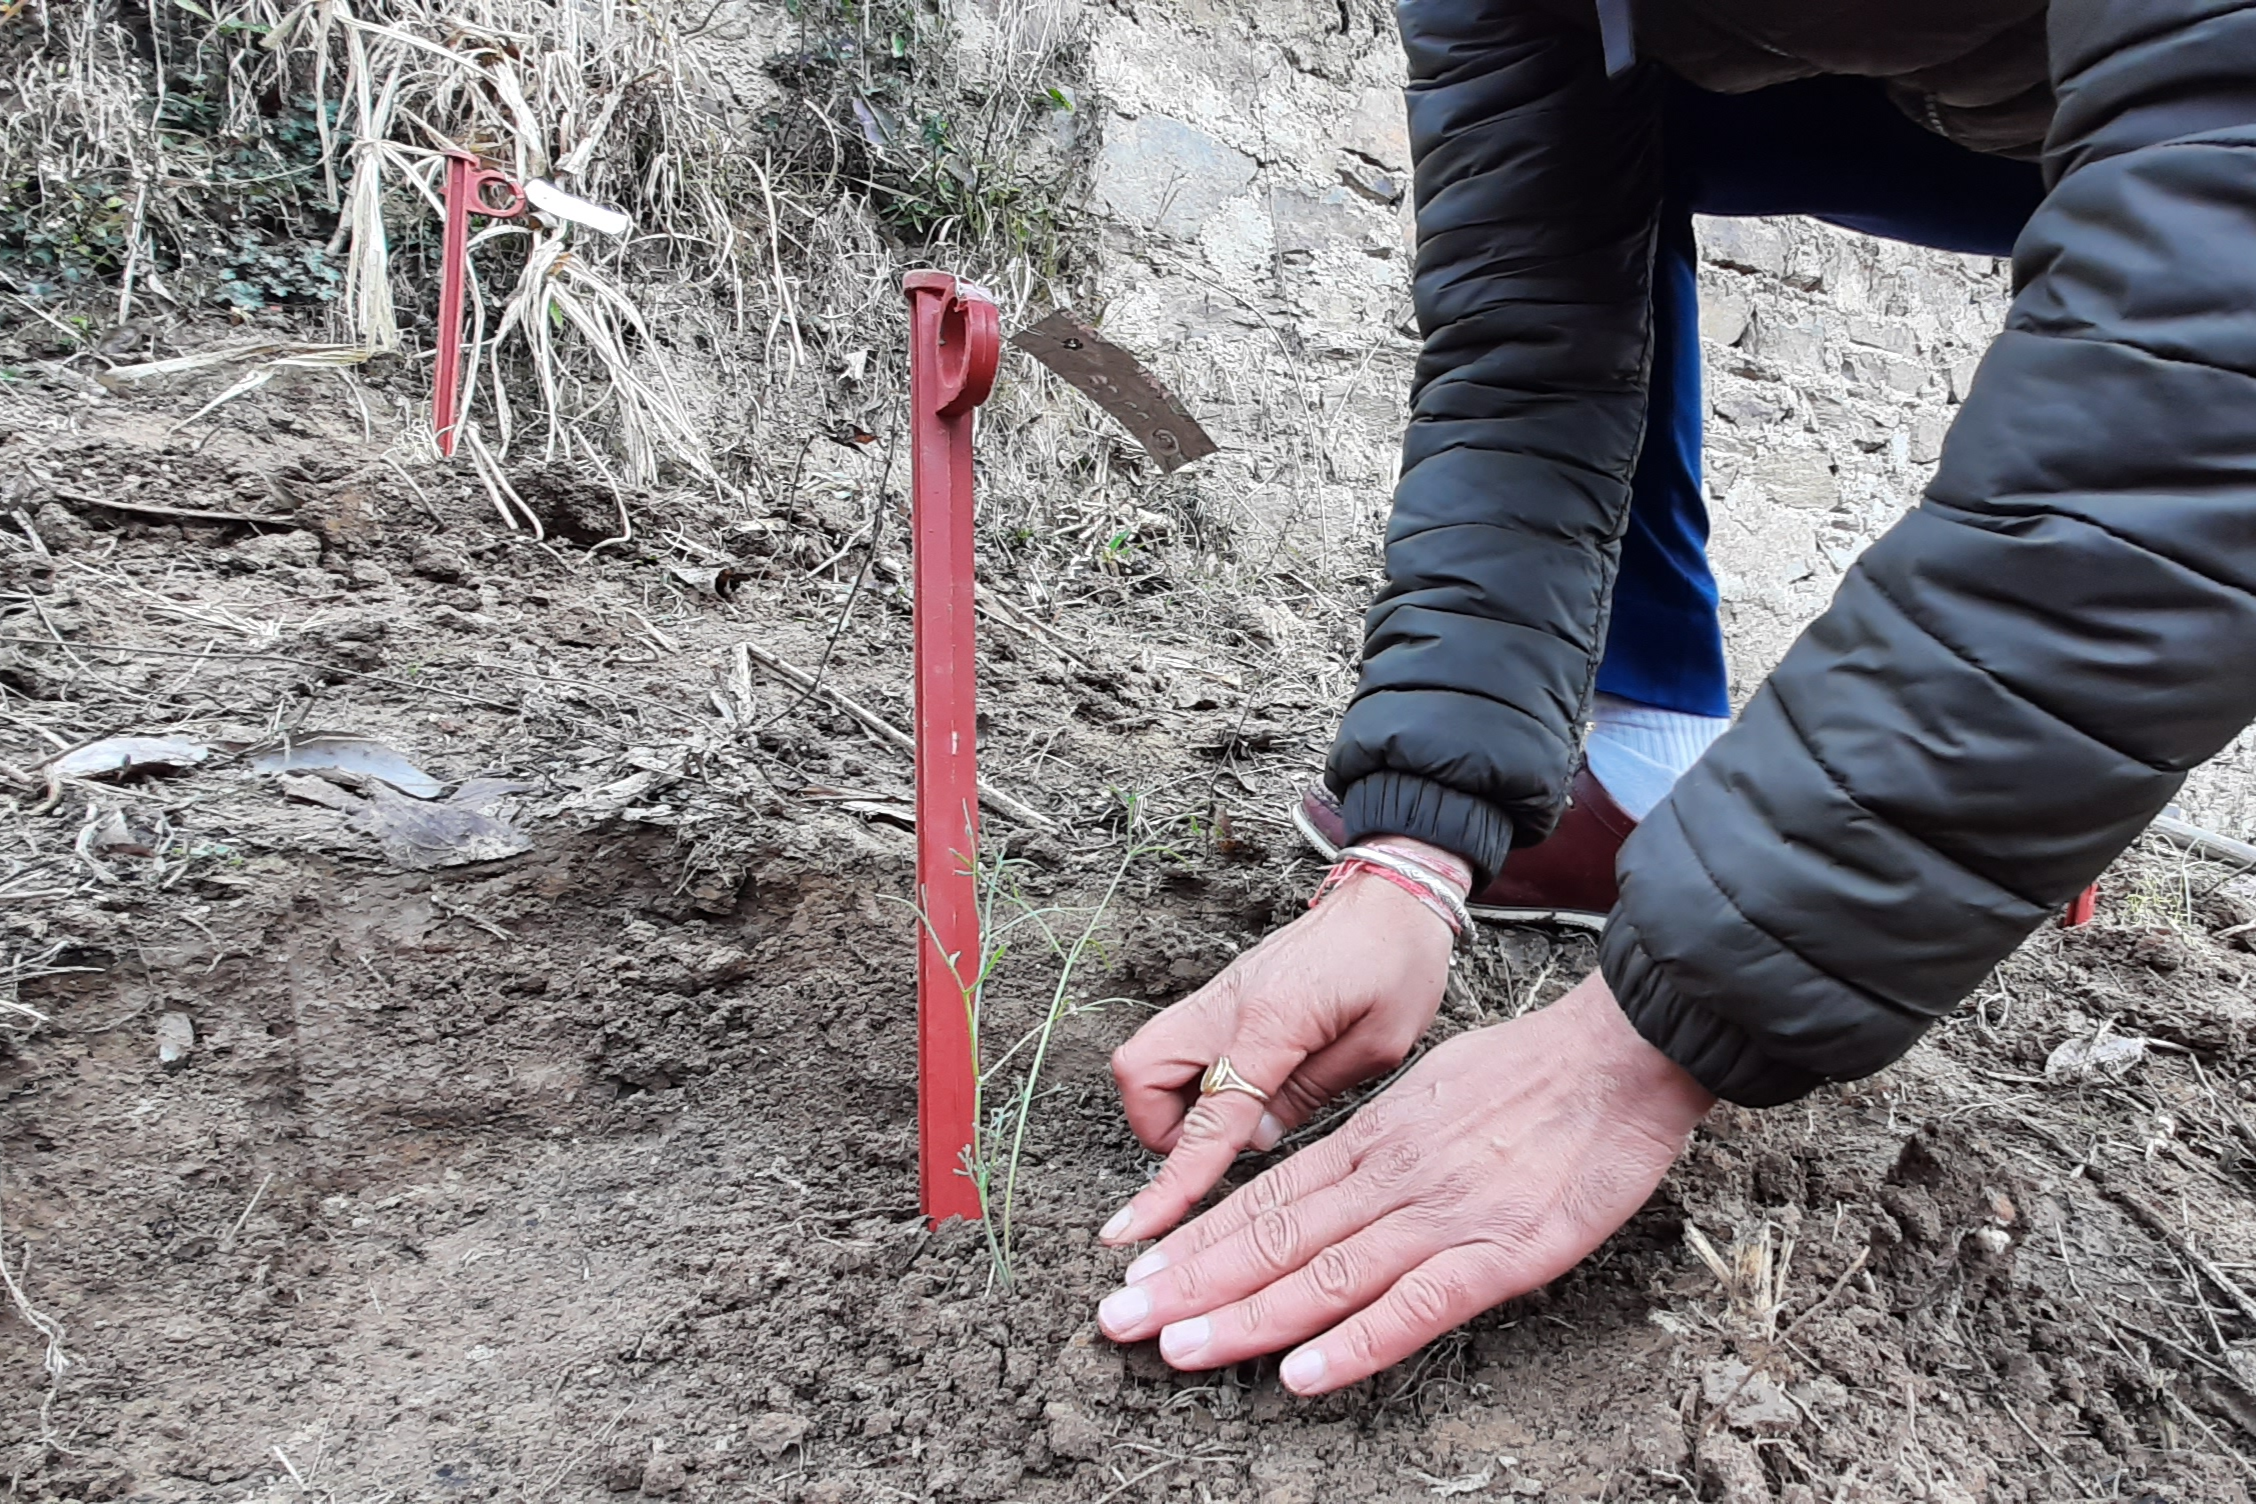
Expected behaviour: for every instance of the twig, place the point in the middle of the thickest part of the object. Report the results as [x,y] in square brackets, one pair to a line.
[2188,836]
[1014,616]
[56,1362]
[287,1467]
[1317,1127]
[327,668]
[885,731]
[469,918]
[31,531]
[132,253]
[2145,1213]
[1723,1406]
[227,1243]
[186,514]
[2187,1353]
[73,335]
[861,578]
[1125,1484]
[2050,1455]
[420,499]
[1060,1002]
[583,1454]
[2211,1432]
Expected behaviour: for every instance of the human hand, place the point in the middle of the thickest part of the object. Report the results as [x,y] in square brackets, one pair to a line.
[1332,999]
[1493,1166]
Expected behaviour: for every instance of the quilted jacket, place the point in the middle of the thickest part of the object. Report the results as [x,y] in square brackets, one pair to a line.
[2007,687]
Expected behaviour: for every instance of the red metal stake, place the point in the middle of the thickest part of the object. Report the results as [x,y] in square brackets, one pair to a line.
[466,184]
[955,341]
[2081,908]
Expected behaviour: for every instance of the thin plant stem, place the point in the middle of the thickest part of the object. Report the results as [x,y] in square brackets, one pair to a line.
[1042,1046]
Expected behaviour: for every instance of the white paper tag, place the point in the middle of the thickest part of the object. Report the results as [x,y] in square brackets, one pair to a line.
[557,204]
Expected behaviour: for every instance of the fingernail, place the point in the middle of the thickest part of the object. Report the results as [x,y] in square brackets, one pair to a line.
[1122,1309]
[1303,1371]
[1184,1338]
[1145,1267]
[1267,1132]
[1118,1224]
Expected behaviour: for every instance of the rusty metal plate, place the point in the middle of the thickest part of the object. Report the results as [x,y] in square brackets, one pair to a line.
[1118,382]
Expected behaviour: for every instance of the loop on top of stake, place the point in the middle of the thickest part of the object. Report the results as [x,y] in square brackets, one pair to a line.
[971,341]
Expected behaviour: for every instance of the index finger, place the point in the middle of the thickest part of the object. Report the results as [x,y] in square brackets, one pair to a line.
[1159,1066]
[1216,1128]
[1444,1292]
[1321,1164]
[1153,1075]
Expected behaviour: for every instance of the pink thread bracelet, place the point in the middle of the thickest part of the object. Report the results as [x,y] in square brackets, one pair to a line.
[1349,866]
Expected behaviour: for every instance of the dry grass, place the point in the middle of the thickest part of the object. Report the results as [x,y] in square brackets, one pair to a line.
[771,224]
[782,168]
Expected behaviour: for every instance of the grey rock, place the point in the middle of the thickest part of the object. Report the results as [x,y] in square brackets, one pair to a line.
[1799,478]
[1372,184]
[1724,315]
[1309,222]
[1962,376]
[435,561]
[1749,245]
[1751,407]
[1788,339]
[1925,445]
[1883,372]
[1160,174]
[1379,129]
[1892,335]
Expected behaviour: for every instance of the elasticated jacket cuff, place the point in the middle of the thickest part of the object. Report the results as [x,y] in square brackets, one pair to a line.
[1720,1055]
[1403,804]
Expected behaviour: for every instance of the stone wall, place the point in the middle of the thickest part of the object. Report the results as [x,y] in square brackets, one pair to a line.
[1251,182]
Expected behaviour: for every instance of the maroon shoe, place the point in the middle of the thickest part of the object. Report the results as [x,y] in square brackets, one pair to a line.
[1568,879]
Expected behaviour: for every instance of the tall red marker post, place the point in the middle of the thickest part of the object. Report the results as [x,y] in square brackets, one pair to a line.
[955,341]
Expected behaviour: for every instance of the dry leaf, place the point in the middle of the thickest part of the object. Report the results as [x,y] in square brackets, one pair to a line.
[2108,1057]
[128,755]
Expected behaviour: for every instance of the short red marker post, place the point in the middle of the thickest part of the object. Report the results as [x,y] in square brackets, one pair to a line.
[468,185]
[2081,908]
[955,342]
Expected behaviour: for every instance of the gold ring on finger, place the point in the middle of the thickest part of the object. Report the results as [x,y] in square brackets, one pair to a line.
[1222,1076]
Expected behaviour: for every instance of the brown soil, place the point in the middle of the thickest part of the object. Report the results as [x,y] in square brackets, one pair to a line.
[590,1172]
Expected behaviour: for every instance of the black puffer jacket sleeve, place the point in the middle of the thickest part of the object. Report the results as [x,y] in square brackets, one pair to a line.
[2013,681]
[1538,189]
